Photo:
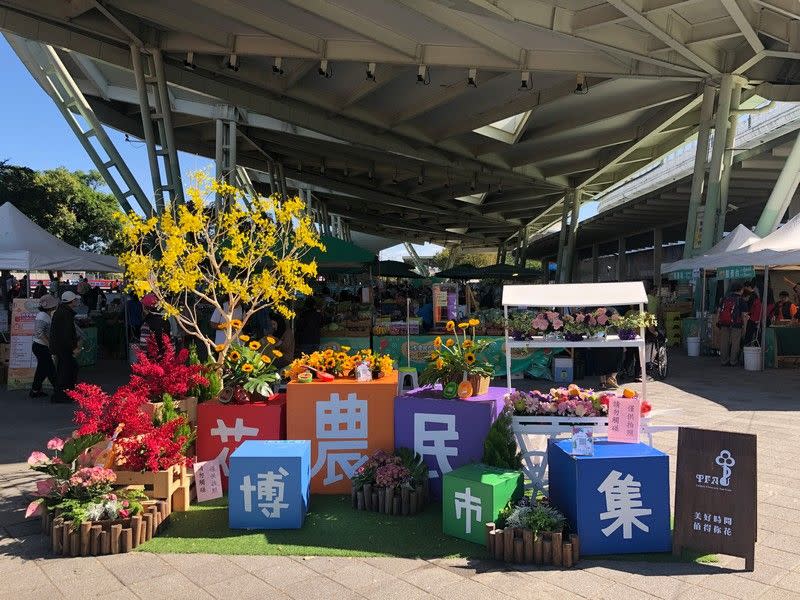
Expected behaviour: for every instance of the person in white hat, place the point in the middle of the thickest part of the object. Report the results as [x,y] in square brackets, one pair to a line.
[64,346]
[45,369]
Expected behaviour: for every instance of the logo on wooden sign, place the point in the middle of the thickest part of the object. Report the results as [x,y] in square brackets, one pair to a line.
[715,493]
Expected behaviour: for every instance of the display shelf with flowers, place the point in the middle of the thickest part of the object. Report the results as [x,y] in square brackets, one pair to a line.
[458,358]
[144,450]
[249,370]
[532,531]
[391,483]
[520,325]
[81,508]
[631,324]
[539,416]
[342,364]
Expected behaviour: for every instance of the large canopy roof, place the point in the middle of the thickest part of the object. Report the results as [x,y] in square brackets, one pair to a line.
[438,159]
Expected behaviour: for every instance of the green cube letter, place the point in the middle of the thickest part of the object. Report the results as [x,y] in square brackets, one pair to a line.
[474,495]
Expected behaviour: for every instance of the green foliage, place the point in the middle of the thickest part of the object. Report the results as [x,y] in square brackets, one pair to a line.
[204,393]
[413,462]
[540,517]
[169,412]
[500,448]
[69,205]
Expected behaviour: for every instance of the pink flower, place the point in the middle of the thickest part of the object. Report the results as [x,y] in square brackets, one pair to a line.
[557,323]
[602,319]
[45,486]
[37,458]
[580,317]
[124,513]
[125,504]
[34,509]
[55,444]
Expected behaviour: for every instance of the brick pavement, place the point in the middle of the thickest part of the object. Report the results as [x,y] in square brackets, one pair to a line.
[766,404]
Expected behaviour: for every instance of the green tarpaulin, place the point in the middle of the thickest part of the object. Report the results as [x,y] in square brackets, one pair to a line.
[339,254]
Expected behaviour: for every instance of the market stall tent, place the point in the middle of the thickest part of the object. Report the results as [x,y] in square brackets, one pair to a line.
[339,254]
[779,249]
[24,246]
[737,239]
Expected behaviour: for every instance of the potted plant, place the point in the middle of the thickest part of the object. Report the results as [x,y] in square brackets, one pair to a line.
[574,327]
[629,326]
[520,325]
[394,484]
[340,364]
[458,358]
[249,370]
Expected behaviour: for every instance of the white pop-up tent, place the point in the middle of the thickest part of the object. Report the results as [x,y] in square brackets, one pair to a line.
[779,249]
[737,239]
[24,246]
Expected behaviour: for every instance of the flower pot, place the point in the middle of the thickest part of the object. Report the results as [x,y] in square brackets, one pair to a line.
[480,384]
[517,336]
[573,337]
[627,334]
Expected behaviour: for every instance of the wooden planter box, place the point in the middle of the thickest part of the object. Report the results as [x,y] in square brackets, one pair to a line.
[521,546]
[171,485]
[97,538]
[187,405]
[391,501]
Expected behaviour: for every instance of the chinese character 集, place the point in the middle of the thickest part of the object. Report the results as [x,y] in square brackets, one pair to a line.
[469,504]
[623,504]
[343,426]
[269,493]
[433,442]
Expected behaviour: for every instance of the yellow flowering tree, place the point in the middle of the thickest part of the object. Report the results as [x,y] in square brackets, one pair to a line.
[243,255]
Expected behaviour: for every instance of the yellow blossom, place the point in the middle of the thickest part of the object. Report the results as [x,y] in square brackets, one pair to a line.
[450,342]
[254,345]
[244,338]
[247,368]
[437,343]
[451,326]
[277,353]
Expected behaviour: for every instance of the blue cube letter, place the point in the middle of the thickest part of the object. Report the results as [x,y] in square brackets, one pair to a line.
[269,484]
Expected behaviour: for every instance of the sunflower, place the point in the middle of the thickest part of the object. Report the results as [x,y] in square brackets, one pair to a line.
[437,343]
[474,322]
[469,357]
[254,345]
[341,356]
[330,362]
[451,326]
[244,338]
[266,358]
[434,355]
[236,324]
[271,340]
[328,353]
[219,347]
[221,326]
[463,325]
[277,353]
[450,342]
[439,364]
[234,356]
[247,368]
[467,344]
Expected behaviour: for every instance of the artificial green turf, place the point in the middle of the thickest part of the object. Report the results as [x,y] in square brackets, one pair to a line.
[332,528]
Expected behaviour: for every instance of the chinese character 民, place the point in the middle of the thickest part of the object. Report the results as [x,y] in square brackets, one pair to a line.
[269,493]
[433,442]
[342,424]
[467,503]
[623,503]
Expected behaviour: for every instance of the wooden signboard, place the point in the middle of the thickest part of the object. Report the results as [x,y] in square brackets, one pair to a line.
[715,493]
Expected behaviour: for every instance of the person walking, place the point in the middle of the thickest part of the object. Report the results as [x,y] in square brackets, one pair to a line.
[64,346]
[732,315]
[45,369]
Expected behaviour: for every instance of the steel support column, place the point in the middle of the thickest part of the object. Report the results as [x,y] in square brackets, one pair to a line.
[573,234]
[715,169]
[561,266]
[699,175]
[658,254]
[782,193]
[727,163]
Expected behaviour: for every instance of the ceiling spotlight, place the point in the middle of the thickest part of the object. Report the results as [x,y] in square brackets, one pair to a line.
[581,85]
[526,83]
[423,75]
[324,69]
[277,66]
[233,63]
[189,62]
[371,71]
[472,78]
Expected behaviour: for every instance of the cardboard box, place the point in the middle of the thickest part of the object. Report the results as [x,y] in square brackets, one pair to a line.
[563,370]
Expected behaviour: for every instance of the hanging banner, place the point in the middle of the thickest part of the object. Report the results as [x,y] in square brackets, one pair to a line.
[22,362]
[682,275]
[737,272]
[715,493]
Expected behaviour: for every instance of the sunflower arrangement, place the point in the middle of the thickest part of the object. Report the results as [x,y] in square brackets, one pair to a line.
[341,363]
[457,355]
[249,364]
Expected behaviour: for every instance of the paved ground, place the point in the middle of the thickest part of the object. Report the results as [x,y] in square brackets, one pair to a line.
[763,403]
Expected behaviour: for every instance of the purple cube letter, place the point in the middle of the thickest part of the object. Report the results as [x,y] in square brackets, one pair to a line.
[447,433]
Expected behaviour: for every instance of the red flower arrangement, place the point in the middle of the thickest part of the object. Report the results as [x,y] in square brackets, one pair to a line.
[155,450]
[165,371]
[100,413]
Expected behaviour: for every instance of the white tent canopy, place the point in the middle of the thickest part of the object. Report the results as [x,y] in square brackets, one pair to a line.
[24,246]
[736,240]
[780,248]
[575,294]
